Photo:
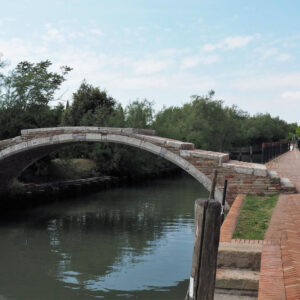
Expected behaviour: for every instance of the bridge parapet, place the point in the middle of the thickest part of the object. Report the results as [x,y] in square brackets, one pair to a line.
[85,129]
[10,142]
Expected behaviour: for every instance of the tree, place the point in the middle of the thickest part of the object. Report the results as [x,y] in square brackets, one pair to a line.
[265,128]
[33,83]
[203,121]
[139,114]
[25,94]
[91,107]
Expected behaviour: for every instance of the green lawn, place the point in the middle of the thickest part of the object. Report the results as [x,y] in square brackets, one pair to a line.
[74,168]
[254,217]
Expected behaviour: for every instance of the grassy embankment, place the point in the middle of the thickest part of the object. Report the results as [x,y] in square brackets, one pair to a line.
[255,217]
[75,168]
[60,170]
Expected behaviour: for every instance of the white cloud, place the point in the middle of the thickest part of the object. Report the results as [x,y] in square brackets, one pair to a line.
[174,52]
[150,66]
[288,97]
[193,61]
[15,50]
[97,31]
[237,41]
[231,42]
[269,82]
[53,34]
[173,81]
[211,47]
[274,53]
[269,53]
[284,57]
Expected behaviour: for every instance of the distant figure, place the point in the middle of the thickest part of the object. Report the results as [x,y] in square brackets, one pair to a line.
[298,143]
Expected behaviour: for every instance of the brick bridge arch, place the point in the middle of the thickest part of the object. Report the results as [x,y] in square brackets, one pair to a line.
[18,153]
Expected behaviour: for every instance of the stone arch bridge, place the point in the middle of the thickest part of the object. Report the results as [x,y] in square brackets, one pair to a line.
[18,153]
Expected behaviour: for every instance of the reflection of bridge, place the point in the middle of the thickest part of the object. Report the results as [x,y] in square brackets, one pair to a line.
[18,153]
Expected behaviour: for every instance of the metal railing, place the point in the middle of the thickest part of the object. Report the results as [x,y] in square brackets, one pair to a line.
[273,149]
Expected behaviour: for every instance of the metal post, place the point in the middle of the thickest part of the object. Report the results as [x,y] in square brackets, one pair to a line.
[223,201]
[213,186]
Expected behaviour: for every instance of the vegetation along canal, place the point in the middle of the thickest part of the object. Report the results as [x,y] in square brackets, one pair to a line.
[125,243]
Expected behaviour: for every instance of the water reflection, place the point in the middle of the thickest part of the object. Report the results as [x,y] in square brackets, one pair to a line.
[133,242]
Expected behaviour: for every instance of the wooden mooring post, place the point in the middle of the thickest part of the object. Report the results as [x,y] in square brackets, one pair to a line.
[206,244]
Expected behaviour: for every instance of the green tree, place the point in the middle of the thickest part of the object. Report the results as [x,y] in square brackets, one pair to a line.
[139,114]
[91,107]
[298,132]
[25,94]
[34,84]
[265,128]
[203,121]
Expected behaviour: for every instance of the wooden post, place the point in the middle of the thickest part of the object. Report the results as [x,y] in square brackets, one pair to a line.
[206,244]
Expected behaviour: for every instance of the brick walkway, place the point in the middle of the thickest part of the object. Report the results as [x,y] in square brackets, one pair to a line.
[280,264]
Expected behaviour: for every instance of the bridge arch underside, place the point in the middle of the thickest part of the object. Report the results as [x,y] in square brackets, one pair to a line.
[15,159]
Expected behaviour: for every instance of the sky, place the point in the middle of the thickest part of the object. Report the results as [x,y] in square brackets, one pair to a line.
[163,50]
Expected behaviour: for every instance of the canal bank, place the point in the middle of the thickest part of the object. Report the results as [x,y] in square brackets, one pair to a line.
[26,195]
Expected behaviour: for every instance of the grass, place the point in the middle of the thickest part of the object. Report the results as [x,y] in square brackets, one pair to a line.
[73,168]
[255,217]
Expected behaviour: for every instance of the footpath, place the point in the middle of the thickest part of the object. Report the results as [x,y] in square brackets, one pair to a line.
[280,261]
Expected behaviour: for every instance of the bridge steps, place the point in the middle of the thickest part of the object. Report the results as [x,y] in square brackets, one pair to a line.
[244,282]
[223,295]
[287,187]
[239,255]
[238,269]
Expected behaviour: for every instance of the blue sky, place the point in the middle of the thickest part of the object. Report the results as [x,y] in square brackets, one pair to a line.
[165,51]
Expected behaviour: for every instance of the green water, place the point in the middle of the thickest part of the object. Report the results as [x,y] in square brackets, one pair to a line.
[125,243]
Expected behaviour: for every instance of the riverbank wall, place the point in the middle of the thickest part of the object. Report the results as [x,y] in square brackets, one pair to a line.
[27,195]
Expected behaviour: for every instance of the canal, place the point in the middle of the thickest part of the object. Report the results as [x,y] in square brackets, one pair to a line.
[125,243]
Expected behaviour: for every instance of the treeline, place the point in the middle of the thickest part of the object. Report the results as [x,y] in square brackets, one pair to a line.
[26,94]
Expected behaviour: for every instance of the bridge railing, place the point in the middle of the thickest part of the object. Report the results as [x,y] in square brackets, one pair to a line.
[273,149]
[260,153]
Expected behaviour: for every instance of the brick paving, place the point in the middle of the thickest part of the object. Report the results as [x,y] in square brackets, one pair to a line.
[280,265]
[271,283]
